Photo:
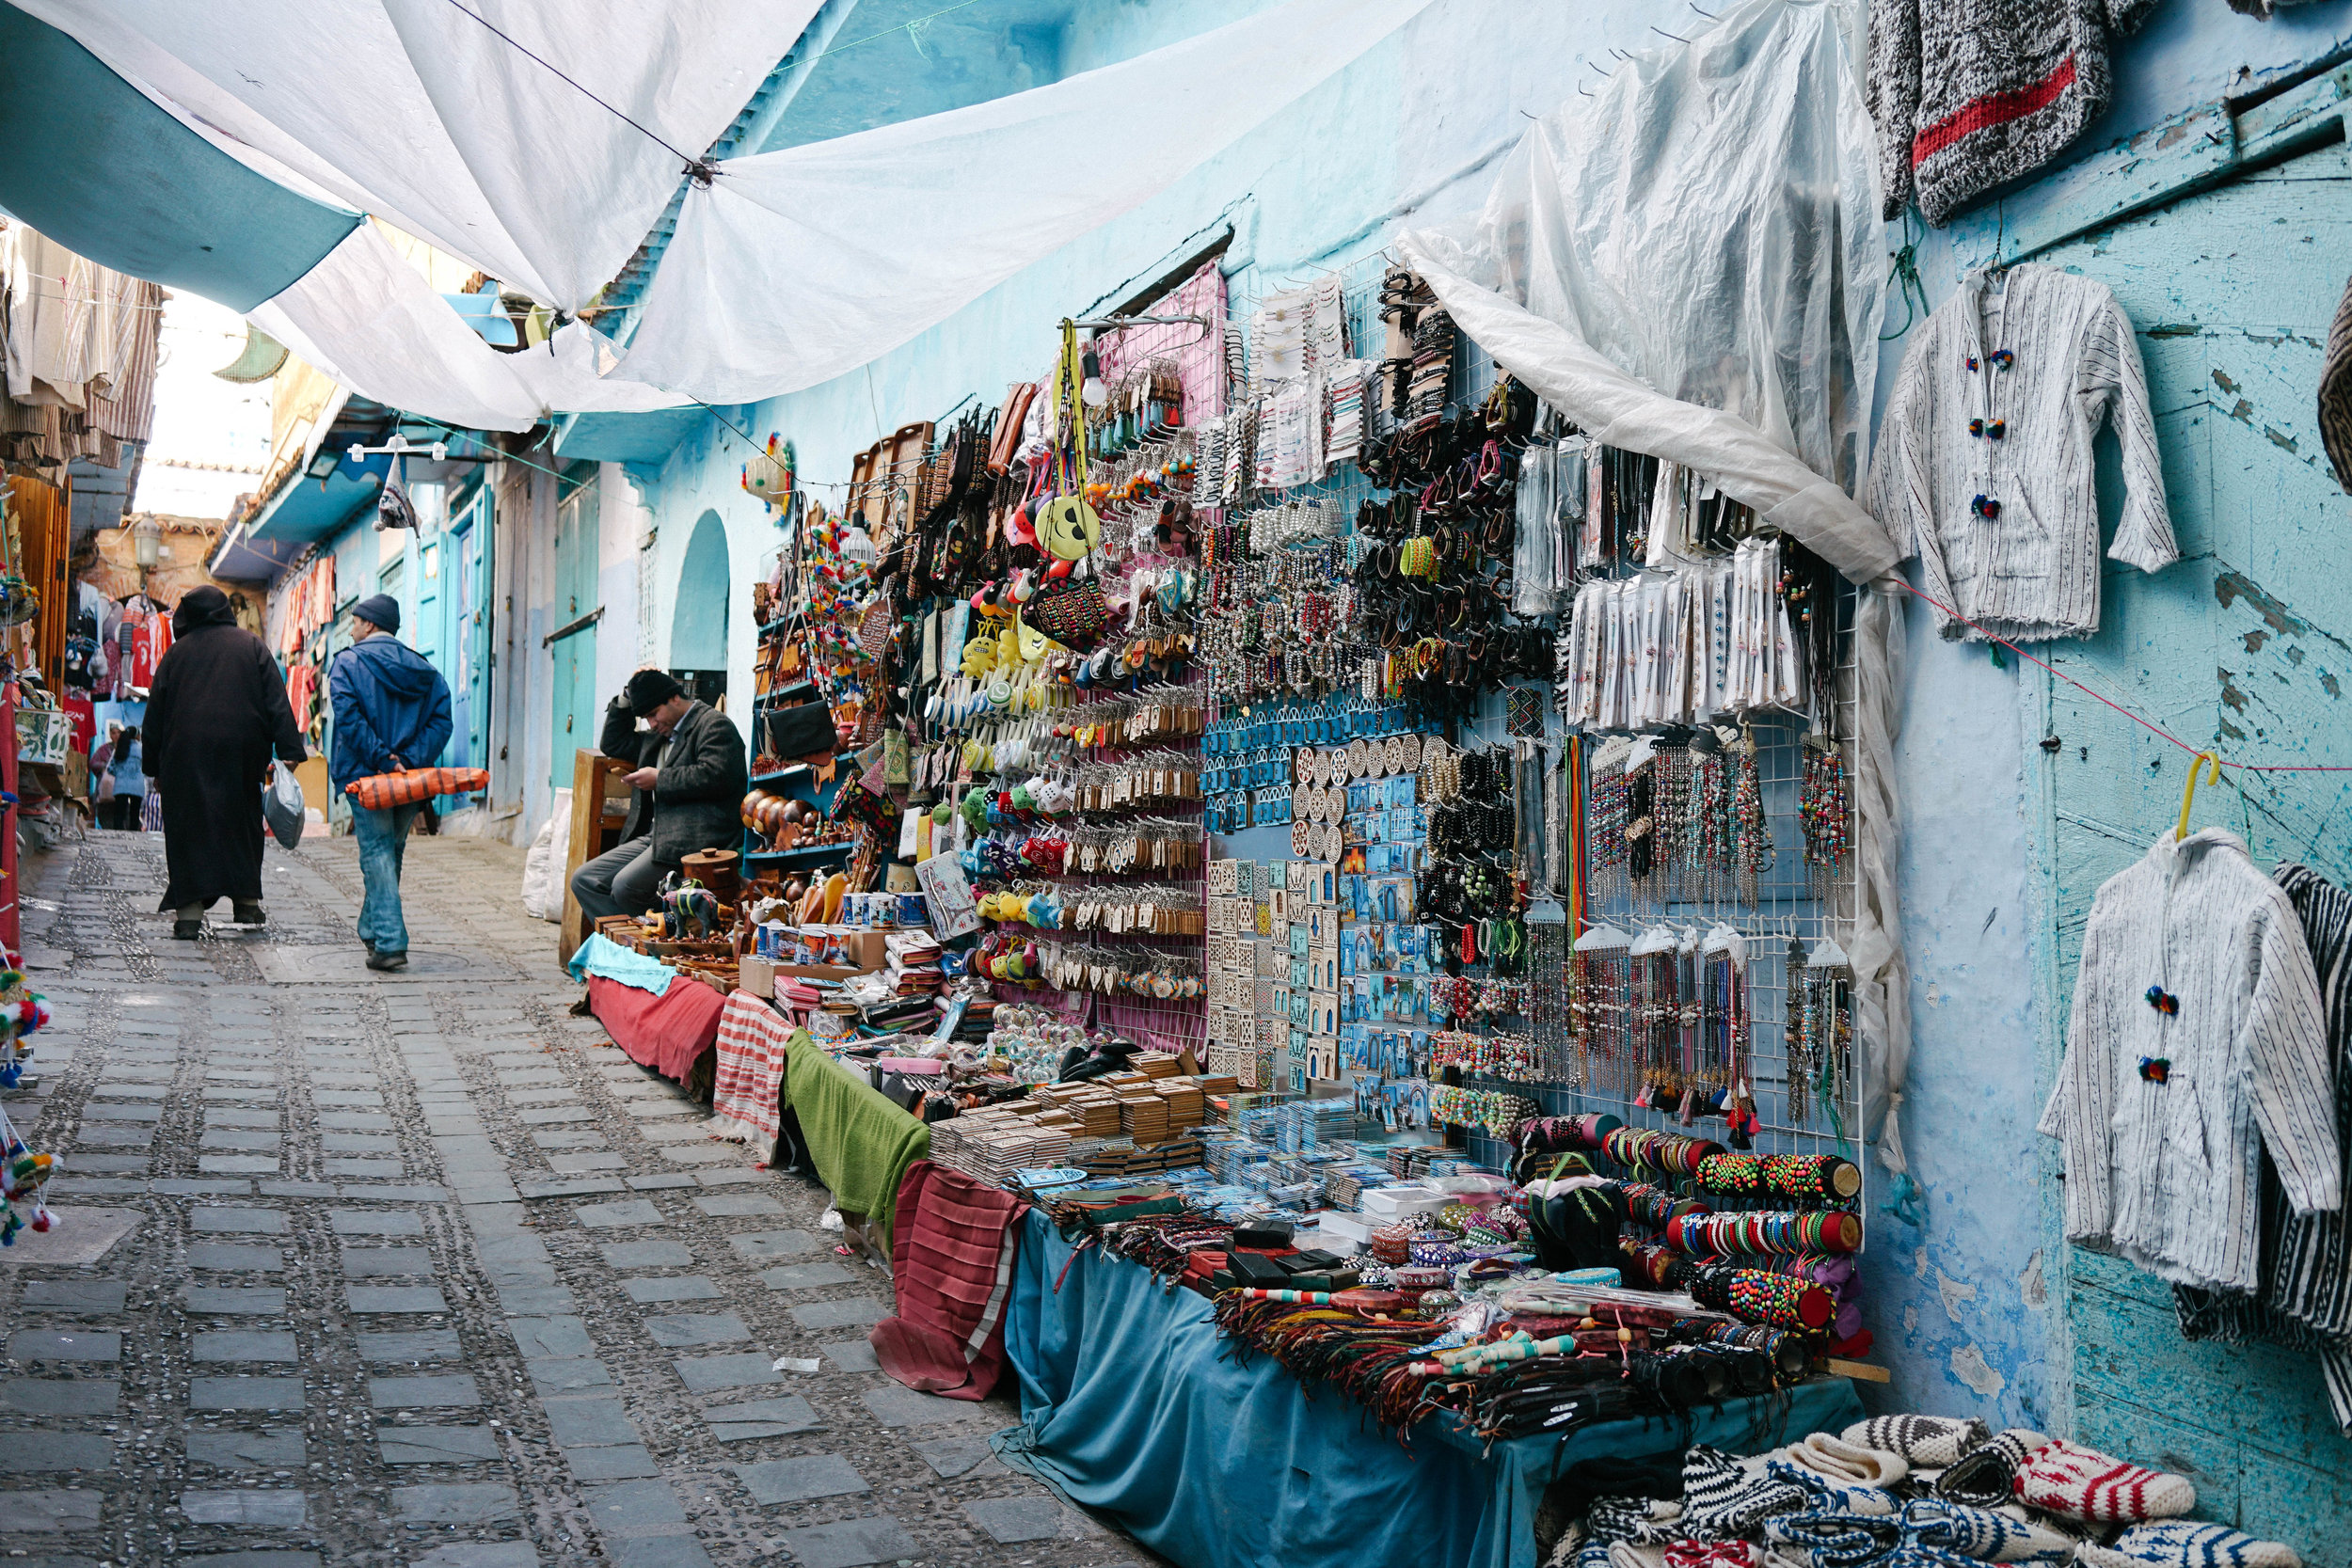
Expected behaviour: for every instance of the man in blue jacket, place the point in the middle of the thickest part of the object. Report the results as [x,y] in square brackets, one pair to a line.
[392,711]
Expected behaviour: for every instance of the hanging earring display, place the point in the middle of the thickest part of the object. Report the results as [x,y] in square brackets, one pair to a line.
[1825,813]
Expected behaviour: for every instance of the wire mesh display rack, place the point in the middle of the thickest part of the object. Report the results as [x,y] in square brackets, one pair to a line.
[1793,928]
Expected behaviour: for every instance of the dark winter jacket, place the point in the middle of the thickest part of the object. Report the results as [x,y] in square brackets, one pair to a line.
[389,704]
[214,716]
[700,779]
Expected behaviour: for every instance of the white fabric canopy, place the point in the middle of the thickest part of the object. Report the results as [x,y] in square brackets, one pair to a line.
[795,266]
[415,111]
[368,319]
[1711,217]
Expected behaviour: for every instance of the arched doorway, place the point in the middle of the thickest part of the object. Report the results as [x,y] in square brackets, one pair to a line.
[698,622]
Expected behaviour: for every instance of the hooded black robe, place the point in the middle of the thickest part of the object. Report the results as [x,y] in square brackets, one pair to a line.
[215,712]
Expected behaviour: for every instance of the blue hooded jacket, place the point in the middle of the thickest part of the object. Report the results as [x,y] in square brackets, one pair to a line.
[389,701]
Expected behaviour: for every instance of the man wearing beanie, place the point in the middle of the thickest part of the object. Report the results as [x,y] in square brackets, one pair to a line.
[392,711]
[689,781]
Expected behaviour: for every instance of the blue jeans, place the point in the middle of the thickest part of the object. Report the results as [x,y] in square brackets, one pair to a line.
[383,837]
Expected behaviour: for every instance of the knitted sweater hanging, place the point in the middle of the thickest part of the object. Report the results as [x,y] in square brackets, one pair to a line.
[1970,93]
[2197,1043]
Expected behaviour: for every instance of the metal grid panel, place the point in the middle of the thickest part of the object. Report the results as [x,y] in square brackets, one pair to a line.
[1788,908]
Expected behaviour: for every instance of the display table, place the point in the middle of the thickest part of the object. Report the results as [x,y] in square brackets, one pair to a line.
[748,1091]
[856,1137]
[1130,1403]
[667,1033]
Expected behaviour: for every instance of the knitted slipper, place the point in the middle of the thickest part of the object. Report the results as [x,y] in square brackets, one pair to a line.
[1720,1553]
[1723,1499]
[1632,1554]
[1575,1550]
[1988,1535]
[1824,1495]
[1987,1474]
[1913,1554]
[1647,1521]
[2083,1483]
[1925,1442]
[1847,1463]
[1836,1540]
[2182,1544]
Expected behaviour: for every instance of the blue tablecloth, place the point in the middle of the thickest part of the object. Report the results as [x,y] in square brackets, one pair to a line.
[1127,1406]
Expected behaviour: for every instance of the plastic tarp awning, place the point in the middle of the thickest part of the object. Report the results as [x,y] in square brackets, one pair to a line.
[92,162]
[370,320]
[1687,264]
[109,172]
[456,124]
[435,116]
[795,266]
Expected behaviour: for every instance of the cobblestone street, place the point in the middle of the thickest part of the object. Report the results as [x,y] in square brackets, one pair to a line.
[421,1270]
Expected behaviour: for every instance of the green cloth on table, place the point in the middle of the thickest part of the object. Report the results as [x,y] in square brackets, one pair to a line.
[860,1141]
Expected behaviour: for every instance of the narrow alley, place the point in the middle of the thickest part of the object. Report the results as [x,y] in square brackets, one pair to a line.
[357,1270]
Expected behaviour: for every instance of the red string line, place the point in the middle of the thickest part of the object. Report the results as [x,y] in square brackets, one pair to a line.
[2145,724]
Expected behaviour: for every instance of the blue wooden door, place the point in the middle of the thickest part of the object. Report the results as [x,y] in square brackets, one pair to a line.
[426,615]
[2245,646]
[576,550]
[465,603]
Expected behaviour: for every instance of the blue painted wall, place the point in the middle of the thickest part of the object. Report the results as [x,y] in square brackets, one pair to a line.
[1981,1312]
[2231,291]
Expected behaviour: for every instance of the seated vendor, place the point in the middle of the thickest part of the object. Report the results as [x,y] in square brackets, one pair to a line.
[689,788]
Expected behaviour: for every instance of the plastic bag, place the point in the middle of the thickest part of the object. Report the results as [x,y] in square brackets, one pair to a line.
[542,867]
[281,805]
[1706,219]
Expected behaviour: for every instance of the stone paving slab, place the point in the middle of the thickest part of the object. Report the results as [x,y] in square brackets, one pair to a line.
[676,1330]
[436,1444]
[851,1543]
[706,1374]
[269,1449]
[778,1417]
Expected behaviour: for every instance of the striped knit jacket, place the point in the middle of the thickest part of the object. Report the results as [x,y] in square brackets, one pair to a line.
[1970,93]
[1983,468]
[2305,1298]
[2165,1114]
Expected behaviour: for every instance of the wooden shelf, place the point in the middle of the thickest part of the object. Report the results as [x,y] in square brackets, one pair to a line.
[781,774]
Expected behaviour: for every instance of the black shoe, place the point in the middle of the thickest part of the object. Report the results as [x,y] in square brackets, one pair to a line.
[187,930]
[247,914]
[386,962]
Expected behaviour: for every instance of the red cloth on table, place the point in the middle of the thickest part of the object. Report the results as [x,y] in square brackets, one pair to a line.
[665,1033]
[750,1083]
[951,1260]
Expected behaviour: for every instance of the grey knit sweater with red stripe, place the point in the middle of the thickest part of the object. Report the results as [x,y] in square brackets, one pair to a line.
[1970,93]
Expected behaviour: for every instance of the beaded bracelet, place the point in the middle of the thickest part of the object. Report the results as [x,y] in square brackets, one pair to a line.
[1784,1234]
